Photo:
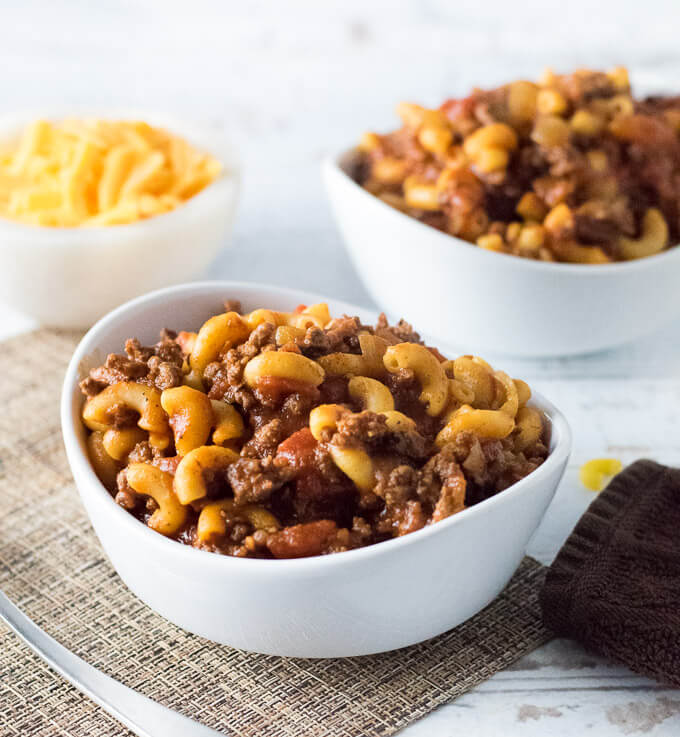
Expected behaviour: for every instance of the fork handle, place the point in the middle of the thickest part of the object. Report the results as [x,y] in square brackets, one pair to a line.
[141,715]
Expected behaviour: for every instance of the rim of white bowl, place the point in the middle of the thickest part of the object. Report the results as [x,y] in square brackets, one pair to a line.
[332,166]
[90,483]
[207,140]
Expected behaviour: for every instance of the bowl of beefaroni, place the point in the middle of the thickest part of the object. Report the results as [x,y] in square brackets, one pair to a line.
[96,210]
[537,218]
[297,476]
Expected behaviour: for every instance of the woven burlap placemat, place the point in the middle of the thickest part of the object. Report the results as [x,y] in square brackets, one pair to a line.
[52,566]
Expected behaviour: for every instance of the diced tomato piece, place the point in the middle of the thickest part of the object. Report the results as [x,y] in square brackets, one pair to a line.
[299,449]
[456,108]
[299,541]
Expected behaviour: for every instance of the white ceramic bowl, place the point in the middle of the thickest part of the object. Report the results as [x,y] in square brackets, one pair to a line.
[363,601]
[490,302]
[70,277]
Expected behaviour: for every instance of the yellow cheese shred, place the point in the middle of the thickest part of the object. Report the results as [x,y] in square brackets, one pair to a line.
[98,172]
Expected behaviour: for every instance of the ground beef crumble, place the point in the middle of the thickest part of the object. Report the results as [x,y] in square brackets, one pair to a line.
[371,430]
[254,480]
[402,332]
[343,334]
[225,377]
[159,366]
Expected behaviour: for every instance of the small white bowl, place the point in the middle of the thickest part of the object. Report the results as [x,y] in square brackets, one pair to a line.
[491,302]
[70,277]
[369,600]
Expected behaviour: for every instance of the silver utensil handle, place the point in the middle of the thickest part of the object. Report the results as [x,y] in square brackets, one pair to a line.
[138,713]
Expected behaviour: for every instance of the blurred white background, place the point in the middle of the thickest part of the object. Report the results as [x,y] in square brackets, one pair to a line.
[293,80]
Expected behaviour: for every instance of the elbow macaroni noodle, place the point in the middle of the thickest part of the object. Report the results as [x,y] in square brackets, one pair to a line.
[105,465]
[151,481]
[212,519]
[217,335]
[356,464]
[428,371]
[398,421]
[189,482]
[353,462]
[98,411]
[190,415]
[118,443]
[368,363]
[227,421]
[653,239]
[323,420]
[286,365]
[486,423]
[529,427]
[257,317]
[371,394]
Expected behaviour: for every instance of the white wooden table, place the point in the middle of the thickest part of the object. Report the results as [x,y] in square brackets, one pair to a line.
[293,81]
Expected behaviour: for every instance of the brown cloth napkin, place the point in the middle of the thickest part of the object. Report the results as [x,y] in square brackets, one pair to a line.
[615,584]
[52,566]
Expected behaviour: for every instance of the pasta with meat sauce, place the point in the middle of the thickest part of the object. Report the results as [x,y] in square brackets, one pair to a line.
[571,168]
[282,435]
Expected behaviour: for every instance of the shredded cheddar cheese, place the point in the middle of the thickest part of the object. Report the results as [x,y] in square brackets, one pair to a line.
[596,473]
[98,172]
